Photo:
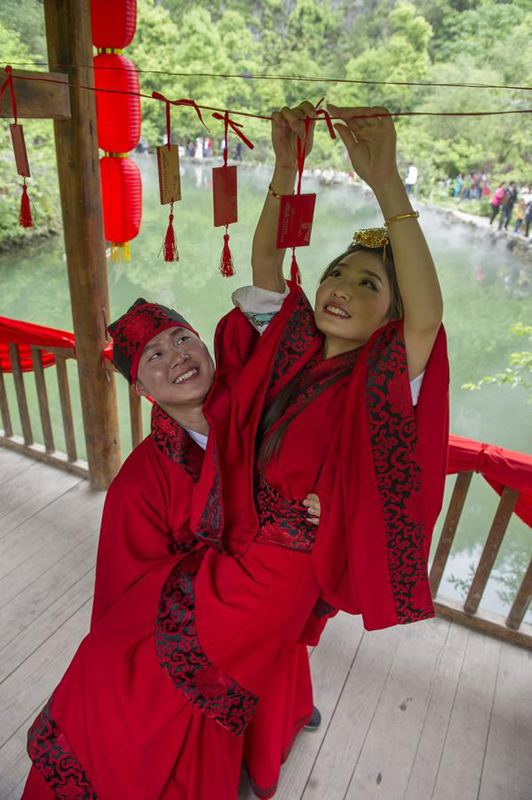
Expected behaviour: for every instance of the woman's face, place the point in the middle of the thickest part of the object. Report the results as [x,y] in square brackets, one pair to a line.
[352,302]
[175,368]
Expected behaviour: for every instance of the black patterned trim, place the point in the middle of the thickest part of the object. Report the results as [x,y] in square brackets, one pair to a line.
[53,757]
[210,526]
[299,334]
[181,656]
[393,435]
[175,443]
[282,521]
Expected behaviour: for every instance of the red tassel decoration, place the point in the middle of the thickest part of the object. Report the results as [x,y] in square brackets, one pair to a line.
[227,267]
[25,219]
[295,275]
[170,244]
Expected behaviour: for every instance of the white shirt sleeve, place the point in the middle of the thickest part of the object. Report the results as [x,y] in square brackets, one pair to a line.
[261,305]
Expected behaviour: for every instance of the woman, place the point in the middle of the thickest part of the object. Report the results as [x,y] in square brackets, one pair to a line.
[496,200]
[324,399]
[107,731]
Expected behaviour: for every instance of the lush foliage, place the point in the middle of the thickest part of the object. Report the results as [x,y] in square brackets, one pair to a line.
[441,41]
[519,369]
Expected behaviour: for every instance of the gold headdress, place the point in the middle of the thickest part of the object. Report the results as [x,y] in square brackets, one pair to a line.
[372,237]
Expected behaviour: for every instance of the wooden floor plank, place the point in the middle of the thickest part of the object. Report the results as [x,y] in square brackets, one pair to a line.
[386,758]
[507,773]
[424,770]
[37,598]
[462,757]
[20,649]
[31,491]
[34,681]
[330,665]
[330,776]
[13,464]
[47,537]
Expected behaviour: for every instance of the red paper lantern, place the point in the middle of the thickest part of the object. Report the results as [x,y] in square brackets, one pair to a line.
[121,197]
[118,114]
[113,23]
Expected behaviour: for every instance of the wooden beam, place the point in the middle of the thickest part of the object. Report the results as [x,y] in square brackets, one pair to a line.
[487,622]
[69,38]
[37,99]
[38,453]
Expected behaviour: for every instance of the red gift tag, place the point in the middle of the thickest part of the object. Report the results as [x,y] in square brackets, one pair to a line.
[224,195]
[19,148]
[295,220]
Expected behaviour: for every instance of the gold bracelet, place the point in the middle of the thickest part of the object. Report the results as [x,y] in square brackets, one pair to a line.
[413,215]
[277,196]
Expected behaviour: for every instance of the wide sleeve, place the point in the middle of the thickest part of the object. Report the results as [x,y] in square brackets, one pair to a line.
[134,535]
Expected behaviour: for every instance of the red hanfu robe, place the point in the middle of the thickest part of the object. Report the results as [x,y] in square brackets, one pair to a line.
[116,724]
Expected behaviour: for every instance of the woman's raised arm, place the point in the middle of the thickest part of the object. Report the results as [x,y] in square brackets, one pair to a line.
[266,259]
[370,143]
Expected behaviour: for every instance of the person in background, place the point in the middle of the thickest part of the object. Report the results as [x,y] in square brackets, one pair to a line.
[411,178]
[528,215]
[496,200]
[507,205]
[519,214]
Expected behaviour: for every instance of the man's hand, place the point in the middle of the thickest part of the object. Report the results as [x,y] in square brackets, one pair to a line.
[313,504]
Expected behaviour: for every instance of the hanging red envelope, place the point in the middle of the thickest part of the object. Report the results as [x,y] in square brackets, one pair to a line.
[224,195]
[295,220]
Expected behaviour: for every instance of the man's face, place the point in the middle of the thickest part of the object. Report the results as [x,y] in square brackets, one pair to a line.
[175,368]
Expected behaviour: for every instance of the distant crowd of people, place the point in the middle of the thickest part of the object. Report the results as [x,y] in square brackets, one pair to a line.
[203,147]
[511,204]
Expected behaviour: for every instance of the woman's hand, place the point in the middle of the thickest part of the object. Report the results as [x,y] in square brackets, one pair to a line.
[370,142]
[287,125]
[313,504]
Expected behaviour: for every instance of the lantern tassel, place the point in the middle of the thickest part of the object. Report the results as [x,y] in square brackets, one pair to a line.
[25,219]
[170,245]
[227,268]
[120,251]
[295,275]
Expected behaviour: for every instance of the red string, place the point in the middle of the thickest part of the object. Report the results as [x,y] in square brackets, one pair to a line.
[9,82]
[327,117]
[262,116]
[301,154]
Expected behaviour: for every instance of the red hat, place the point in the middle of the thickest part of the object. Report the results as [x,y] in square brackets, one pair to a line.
[132,332]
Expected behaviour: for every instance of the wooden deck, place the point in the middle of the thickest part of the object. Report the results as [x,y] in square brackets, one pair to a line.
[431,711]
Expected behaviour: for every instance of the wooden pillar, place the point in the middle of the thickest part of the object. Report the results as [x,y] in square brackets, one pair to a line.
[69,38]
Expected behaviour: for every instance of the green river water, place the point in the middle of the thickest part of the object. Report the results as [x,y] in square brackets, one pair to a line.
[478,316]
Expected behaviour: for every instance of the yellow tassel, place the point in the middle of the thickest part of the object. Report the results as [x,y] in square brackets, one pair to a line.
[120,251]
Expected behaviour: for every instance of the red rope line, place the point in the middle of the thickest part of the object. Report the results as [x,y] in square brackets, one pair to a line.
[303,78]
[262,116]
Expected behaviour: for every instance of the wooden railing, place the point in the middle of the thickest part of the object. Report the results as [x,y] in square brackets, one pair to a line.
[469,612]
[47,451]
